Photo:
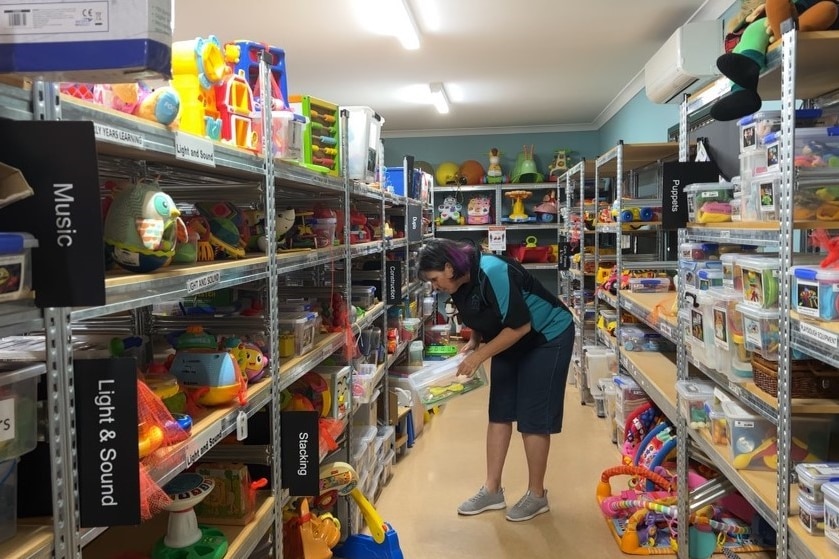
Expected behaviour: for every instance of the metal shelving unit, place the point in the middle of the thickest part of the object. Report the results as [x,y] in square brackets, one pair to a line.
[795,71]
[244,177]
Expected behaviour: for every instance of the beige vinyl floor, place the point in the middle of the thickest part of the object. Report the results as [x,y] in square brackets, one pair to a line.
[446,465]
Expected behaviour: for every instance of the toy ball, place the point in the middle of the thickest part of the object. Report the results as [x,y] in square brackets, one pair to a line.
[447,173]
[141,227]
[471,172]
[161,105]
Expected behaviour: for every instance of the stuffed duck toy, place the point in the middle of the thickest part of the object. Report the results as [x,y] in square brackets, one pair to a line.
[142,227]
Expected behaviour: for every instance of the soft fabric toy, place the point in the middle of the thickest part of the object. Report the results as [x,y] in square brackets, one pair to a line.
[744,64]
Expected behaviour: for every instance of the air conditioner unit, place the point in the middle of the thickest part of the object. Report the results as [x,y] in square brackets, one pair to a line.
[685,62]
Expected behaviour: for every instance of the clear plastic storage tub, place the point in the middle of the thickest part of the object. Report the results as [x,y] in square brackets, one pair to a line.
[811,515]
[831,511]
[754,128]
[438,383]
[709,202]
[636,338]
[816,147]
[18,411]
[811,477]
[364,129]
[731,277]
[815,292]
[698,251]
[693,394]
[748,434]
[765,187]
[303,326]
[16,265]
[760,281]
[649,285]
[761,330]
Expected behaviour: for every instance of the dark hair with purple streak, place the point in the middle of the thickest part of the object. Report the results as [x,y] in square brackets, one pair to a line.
[436,253]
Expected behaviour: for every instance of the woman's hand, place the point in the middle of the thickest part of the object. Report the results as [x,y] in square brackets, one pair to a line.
[471,345]
[469,365]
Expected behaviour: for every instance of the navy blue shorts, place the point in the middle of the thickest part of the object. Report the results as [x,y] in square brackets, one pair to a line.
[529,388]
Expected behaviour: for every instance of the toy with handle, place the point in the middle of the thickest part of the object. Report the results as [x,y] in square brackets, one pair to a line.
[341,477]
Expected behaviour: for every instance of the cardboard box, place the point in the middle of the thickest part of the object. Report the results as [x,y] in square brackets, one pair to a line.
[231,500]
[13,185]
[97,41]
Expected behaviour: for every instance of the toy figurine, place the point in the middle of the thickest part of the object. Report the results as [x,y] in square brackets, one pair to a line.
[494,173]
[142,227]
[525,169]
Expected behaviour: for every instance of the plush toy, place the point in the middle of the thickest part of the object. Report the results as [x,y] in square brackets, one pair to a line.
[761,23]
[142,227]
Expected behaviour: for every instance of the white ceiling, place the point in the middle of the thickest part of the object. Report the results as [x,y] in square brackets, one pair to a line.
[505,63]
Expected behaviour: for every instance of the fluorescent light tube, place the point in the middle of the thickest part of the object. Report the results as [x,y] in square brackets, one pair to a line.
[406,25]
[439,98]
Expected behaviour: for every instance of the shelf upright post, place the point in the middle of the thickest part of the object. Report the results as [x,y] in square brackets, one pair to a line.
[582,310]
[682,434]
[787,141]
[619,227]
[46,105]
[271,326]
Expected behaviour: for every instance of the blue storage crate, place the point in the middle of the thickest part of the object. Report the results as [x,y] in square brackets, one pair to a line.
[395,182]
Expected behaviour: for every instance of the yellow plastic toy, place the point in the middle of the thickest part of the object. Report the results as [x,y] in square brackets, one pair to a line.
[341,477]
[518,196]
[198,65]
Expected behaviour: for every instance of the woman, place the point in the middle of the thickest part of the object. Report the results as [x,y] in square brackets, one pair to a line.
[529,335]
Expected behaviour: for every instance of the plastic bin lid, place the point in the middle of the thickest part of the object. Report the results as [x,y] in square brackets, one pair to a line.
[735,411]
[726,295]
[760,115]
[701,186]
[810,507]
[758,312]
[298,317]
[709,273]
[759,263]
[14,243]
[810,474]
[831,490]
[807,272]
[694,389]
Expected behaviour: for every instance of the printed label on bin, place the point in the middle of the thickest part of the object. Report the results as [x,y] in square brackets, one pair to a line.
[744,424]
[807,297]
[752,328]
[721,328]
[7,419]
[696,327]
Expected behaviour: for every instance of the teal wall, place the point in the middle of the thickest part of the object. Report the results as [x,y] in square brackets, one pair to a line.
[460,148]
[639,121]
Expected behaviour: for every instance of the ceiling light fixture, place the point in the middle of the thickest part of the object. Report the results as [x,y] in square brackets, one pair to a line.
[439,98]
[405,25]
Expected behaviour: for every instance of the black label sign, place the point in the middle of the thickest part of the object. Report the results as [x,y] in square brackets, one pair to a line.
[565,254]
[58,160]
[107,439]
[300,453]
[676,176]
[393,282]
[413,223]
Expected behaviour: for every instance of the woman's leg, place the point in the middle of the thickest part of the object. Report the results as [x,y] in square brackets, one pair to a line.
[498,441]
[536,449]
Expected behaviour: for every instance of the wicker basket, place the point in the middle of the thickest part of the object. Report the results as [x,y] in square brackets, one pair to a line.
[809,378]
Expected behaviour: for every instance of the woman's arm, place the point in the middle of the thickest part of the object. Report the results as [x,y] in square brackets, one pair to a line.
[506,338]
[473,343]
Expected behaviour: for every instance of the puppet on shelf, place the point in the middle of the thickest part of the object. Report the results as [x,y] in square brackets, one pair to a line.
[761,24]
[452,318]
